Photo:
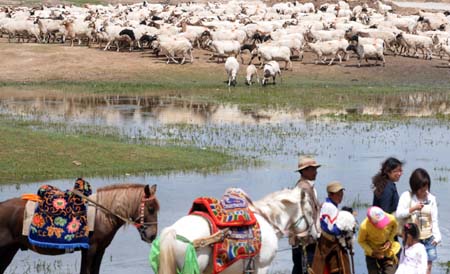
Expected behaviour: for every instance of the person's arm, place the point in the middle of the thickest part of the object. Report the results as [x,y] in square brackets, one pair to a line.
[362,240]
[328,217]
[423,262]
[435,223]
[385,200]
[395,199]
[394,228]
[402,211]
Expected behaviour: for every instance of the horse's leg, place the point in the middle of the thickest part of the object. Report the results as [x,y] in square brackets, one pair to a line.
[98,256]
[262,270]
[86,261]
[6,256]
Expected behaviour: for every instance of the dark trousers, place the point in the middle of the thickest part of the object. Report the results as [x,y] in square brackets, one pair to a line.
[383,266]
[297,257]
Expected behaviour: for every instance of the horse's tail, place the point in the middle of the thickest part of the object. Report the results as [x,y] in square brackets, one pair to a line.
[167,263]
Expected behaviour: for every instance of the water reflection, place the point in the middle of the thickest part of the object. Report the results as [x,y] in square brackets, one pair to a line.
[350,152]
[117,110]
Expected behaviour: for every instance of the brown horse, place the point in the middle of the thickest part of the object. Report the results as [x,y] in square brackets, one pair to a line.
[135,202]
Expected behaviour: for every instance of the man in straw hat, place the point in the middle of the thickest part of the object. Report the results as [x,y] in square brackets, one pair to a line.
[307,167]
[330,255]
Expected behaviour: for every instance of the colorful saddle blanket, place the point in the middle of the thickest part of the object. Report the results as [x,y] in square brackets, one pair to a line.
[244,238]
[60,218]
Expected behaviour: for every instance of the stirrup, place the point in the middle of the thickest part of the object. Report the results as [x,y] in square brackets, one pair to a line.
[250,268]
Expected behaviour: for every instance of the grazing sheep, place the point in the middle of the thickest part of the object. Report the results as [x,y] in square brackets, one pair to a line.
[251,71]
[232,68]
[367,51]
[271,69]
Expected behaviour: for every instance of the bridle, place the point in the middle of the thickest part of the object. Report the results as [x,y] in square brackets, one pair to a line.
[142,225]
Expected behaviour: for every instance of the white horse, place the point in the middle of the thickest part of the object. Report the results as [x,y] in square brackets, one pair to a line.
[283,211]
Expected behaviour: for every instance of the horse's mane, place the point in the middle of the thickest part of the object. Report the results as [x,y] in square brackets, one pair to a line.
[286,193]
[122,199]
[274,204]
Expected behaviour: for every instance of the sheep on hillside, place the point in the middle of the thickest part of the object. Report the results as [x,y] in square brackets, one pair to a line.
[271,69]
[251,72]
[232,68]
[366,51]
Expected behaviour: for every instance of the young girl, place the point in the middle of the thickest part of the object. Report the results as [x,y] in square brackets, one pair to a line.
[419,206]
[413,259]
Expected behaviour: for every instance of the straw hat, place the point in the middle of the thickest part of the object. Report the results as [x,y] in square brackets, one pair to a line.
[334,187]
[377,217]
[305,162]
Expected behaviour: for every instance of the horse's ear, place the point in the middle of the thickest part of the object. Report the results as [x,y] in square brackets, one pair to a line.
[153,189]
[149,191]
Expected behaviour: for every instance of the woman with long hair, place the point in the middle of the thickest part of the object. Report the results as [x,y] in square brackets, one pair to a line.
[383,185]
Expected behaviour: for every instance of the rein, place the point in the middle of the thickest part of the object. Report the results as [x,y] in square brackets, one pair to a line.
[108,211]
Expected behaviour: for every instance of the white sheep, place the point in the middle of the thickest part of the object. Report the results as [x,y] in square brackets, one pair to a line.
[221,48]
[173,46]
[271,69]
[232,68]
[296,45]
[111,33]
[366,51]
[346,222]
[445,49]
[276,53]
[324,35]
[412,41]
[251,72]
[329,48]
[383,8]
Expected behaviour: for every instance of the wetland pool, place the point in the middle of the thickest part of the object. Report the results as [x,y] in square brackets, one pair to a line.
[349,151]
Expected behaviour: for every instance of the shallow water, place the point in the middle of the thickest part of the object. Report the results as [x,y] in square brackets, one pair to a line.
[349,151]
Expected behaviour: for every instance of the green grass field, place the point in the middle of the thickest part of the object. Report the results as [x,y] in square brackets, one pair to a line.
[30,153]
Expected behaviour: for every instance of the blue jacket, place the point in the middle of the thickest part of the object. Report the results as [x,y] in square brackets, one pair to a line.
[388,200]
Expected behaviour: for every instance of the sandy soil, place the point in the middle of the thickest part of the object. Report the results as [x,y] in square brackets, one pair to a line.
[30,62]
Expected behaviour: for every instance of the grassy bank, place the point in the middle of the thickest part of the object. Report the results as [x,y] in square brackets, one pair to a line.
[295,93]
[30,155]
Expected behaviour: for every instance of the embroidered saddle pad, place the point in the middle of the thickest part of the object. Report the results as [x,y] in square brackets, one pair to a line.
[231,210]
[60,218]
[244,238]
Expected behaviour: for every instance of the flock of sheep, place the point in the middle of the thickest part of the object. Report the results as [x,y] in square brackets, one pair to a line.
[281,32]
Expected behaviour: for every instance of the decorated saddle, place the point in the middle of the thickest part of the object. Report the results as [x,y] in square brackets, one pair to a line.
[232,211]
[60,218]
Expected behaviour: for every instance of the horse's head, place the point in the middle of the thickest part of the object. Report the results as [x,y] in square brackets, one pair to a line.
[147,222]
[347,223]
[289,211]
